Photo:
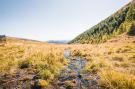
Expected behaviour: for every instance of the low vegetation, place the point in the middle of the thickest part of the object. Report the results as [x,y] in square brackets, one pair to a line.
[42,59]
[116,80]
[113,61]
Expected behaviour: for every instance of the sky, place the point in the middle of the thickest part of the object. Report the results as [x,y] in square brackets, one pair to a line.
[53,19]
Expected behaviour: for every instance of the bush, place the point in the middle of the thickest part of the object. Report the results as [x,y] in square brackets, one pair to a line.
[92,68]
[46,74]
[77,53]
[24,64]
[42,83]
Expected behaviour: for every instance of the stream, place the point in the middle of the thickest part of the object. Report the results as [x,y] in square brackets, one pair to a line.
[71,76]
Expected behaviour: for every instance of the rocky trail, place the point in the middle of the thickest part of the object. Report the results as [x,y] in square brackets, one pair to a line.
[71,76]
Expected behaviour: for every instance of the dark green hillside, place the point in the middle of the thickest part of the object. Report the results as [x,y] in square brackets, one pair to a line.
[120,22]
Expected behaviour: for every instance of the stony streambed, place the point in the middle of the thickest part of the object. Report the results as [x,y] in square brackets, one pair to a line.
[71,76]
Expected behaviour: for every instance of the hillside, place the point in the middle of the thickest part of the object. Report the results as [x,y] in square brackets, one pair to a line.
[116,24]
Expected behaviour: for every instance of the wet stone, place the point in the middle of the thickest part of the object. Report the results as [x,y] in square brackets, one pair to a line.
[72,78]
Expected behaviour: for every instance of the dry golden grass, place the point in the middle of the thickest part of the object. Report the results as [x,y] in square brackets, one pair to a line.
[114,60]
[42,58]
[116,80]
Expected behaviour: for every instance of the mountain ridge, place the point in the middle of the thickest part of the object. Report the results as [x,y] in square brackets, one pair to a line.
[110,27]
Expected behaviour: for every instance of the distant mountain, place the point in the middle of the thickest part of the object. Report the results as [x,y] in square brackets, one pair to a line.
[58,41]
[4,38]
[120,22]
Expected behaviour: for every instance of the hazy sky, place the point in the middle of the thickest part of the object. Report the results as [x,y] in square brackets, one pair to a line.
[53,19]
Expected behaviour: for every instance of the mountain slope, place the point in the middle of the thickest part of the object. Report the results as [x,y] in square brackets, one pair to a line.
[120,22]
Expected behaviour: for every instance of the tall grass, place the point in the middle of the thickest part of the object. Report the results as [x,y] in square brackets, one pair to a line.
[45,60]
[116,80]
[113,61]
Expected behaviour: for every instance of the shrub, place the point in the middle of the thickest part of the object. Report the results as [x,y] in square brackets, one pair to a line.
[39,84]
[24,64]
[76,53]
[92,68]
[46,74]
[42,83]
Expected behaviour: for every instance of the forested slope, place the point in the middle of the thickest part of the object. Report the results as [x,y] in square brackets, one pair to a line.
[118,23]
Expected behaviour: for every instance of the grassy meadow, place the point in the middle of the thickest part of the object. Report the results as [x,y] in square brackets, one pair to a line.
[39,58]
[113,61]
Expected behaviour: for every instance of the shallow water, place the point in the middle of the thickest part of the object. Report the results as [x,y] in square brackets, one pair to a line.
[73,74]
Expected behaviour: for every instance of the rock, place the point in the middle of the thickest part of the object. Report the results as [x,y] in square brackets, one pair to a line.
[94,82]
[35,77]
[39,84]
